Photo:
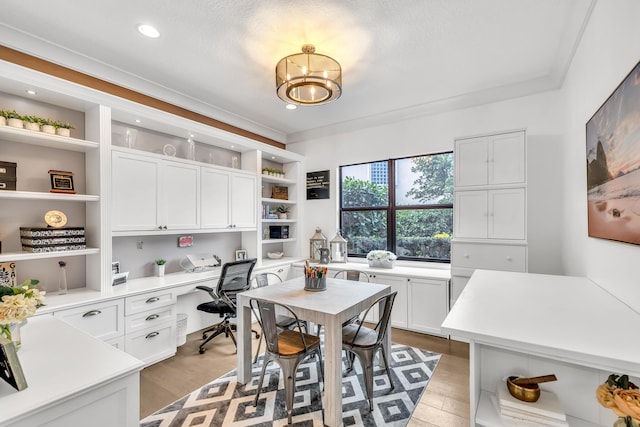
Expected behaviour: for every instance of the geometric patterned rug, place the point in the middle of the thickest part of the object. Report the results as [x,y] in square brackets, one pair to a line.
[224,402]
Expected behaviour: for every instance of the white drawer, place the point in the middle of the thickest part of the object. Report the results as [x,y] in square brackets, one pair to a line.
[152,344]
[148,319]
[490,257]
[103,320]
[148,301]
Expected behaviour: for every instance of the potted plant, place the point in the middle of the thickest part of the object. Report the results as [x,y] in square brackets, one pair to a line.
[63,128]
[32,123]
[381,259]
[48,126]
[282,211]
[160,266]
[3,117]
[13,119]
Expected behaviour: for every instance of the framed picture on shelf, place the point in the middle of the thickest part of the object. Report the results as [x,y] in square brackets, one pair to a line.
[61,182]
[241,254]
[10,368]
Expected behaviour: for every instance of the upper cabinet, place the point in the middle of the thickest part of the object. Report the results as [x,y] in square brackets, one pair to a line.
[227,199]
[490,160]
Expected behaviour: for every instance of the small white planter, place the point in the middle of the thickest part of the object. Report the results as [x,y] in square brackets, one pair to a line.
[49,129]
[282,215]
[63,132]
[3,121]
[16,123]
[160,270]
[32,126]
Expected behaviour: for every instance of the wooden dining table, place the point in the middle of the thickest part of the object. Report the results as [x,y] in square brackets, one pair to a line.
[341,301]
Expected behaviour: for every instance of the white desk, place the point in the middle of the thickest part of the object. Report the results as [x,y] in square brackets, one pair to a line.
[73,380]
[537,324]
[340,302]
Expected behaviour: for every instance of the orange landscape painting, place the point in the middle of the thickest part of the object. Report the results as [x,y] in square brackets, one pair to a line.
[613,164]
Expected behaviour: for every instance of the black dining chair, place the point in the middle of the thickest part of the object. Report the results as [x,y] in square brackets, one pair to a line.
[234,278]
[288,348]
[363,342]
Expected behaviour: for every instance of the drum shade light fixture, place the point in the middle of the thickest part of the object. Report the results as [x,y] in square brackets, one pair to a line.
[308,78]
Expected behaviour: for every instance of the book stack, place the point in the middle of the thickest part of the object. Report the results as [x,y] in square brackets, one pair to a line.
[547,411]
[42,239]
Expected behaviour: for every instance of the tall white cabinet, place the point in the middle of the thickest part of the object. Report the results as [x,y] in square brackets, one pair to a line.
[490,205]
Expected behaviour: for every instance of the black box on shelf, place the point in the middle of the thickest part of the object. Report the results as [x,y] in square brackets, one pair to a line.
[51,232]
[8,176]
[278,231]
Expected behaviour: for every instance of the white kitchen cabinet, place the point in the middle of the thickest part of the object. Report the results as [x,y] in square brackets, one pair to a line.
[227,199]
[493,214]
[103,320]
[399,312]
[152,194]
[427,305]
[490,160]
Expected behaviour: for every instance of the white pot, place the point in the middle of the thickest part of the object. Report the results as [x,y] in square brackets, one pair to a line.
[3,121]
[49,129]
[160,270]
[63,132]
[16,123]
[282,215]
[32,126]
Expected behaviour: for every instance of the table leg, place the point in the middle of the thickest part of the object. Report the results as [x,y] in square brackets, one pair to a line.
[333,373]
[244,344]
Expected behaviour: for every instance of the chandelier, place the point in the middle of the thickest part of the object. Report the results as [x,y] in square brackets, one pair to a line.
[308,78]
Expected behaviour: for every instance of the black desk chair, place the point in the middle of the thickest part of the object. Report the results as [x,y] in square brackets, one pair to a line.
[235,278]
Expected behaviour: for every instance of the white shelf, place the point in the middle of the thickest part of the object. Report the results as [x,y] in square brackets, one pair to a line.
[276,221]
[278,201]
[46,140]
[264,242]
[273,179]
[487,414]
[25,256]
[35,195]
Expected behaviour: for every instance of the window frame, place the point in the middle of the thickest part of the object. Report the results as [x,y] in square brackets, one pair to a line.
[391,207]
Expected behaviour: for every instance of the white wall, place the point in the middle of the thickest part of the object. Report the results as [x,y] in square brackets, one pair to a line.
[538,114]
[608,51]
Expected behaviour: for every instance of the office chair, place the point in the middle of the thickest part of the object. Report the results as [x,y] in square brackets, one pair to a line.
[287,348]
[364,343]
[234,279]
[282,321]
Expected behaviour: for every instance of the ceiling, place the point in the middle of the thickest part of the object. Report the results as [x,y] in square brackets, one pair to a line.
[400,59]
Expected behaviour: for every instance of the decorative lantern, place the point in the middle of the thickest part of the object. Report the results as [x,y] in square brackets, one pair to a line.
[317,241]
[338,247]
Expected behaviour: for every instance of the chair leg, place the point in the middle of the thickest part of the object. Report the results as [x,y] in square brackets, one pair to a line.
[255,359]
[215,333]
[267,359]
[366,361]
[289,368]
[386,365]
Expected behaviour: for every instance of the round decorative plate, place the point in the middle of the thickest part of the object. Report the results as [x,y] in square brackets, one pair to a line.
[169,150]
[55,218]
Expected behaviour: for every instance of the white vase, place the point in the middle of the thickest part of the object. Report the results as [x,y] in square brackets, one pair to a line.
[16,123]
[49,129]
[63,132]
[160,270]
[14,333]
[32,126]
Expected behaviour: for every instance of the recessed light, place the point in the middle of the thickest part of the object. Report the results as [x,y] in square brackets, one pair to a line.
[31,92]
[191,135]
[273,157]
[290,106]
[233,146]
[137,120]
[149,31]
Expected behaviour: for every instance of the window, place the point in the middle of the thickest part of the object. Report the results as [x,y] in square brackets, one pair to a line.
[401,205]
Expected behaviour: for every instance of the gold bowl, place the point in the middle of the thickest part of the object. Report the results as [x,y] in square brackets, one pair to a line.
[530,393]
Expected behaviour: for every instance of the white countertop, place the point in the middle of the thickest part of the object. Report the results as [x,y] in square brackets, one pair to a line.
[400,269]
[569,318]
[60,362]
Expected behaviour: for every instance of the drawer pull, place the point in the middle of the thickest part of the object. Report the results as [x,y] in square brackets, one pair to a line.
[152,317]
[152,335]
[92,313]
[152,300]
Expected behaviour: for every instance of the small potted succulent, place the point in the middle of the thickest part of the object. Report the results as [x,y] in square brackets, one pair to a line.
[32,123]
[48,126]
[13,119]
[63,128]
[282,211]
[3,117]
[160,263]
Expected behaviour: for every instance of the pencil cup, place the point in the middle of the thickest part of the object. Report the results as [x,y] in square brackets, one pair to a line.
[315,283]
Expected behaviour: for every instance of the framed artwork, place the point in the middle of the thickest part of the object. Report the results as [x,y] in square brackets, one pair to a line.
[10,368]
[318,185]
[613,164]
[241,254]
[61,182]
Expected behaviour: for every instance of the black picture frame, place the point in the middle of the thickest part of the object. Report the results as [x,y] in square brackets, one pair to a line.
[318,185]
[61,182]
[10,368]
[613,164]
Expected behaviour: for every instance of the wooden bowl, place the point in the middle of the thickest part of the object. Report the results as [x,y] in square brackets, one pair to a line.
[530,393]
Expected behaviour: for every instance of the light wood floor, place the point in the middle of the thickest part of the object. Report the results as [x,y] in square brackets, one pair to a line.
[445,403]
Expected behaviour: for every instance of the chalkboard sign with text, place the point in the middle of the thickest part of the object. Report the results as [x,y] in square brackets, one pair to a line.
[318,185]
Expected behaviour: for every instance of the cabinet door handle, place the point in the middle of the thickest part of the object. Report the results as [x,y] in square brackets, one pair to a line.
[280,270]
[152,317]
[92,313]
[159,227]
[509,258]
[164,227]
[152,300]
[152,335]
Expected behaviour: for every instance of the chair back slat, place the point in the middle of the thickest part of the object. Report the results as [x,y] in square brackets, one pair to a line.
[234,279]
[267,318]
[262,279]
[354,275]
[385,318]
